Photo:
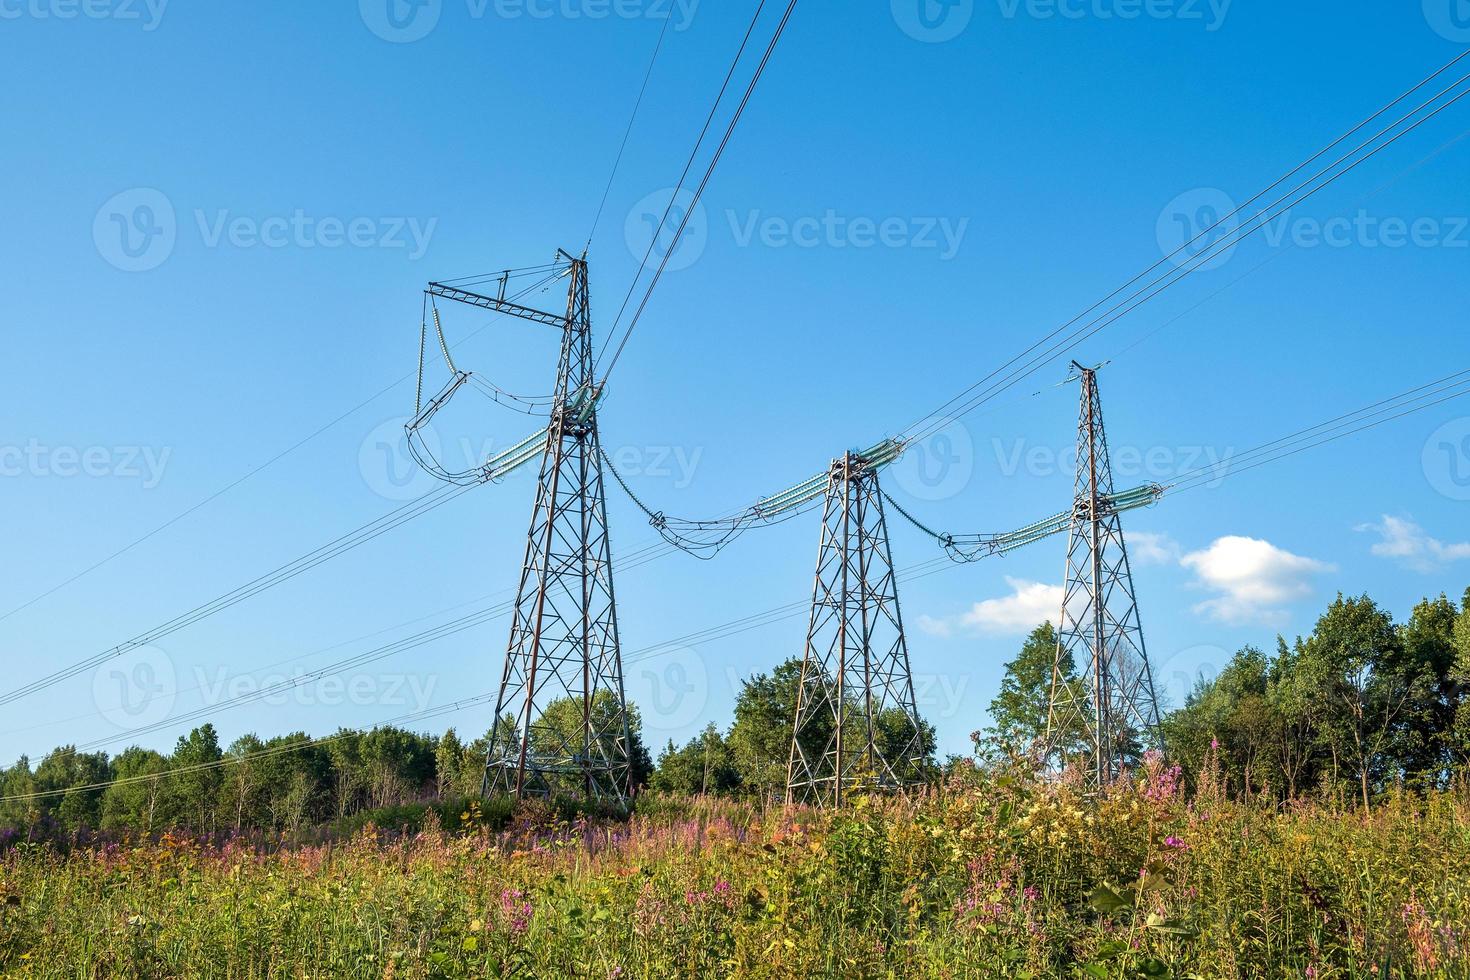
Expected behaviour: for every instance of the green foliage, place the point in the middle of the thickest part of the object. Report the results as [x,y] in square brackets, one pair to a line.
[994,877]
[1019,712]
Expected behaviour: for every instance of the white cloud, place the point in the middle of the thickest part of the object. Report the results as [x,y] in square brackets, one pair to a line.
[1254,579]
[1028,606]
[1408,544]
[1152,549]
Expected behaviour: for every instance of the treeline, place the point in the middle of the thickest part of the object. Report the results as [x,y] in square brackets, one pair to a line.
[1360,706]
[282,785]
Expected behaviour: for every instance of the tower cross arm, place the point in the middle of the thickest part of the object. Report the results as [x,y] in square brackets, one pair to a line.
[557,320]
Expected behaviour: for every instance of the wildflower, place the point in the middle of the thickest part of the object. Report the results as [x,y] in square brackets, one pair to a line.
[1175,843]
[515,913]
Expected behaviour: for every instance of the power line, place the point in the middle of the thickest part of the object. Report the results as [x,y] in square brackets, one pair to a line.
[1301,192]
[629,131]
[636,558]
[263,466]
[347,542]
[699,193]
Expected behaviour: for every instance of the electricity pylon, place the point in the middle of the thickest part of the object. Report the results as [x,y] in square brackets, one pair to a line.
[856,719]
[563,653]
[1110,711]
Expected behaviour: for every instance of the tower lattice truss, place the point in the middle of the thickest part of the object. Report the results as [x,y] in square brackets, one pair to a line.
[857,724]
[1105,716]
[561,721]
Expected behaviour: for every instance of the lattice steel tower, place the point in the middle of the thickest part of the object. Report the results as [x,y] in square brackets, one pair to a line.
[563,652]
[1109,714]
[856,719]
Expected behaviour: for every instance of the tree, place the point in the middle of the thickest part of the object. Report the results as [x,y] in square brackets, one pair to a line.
[1429,652]
[67,769]
[194,786]
[760,738]
[561,724]
[140,804]
[449,763]
[1354,662]
[1232,717]
[1018,714]
[704,765]
[16,784]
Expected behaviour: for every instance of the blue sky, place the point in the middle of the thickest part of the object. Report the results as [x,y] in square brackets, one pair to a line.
[308,167]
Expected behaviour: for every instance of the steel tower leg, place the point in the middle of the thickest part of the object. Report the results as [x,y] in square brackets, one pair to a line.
[1110,714]
[562,687]
[857,723]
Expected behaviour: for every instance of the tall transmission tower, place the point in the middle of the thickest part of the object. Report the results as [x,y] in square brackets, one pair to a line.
[856,719]
[562,688]
[1108,713]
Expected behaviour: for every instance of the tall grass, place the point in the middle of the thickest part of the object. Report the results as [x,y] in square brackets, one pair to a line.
[992,877]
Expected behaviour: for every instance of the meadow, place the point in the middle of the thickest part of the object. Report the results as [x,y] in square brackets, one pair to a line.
[992,875]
